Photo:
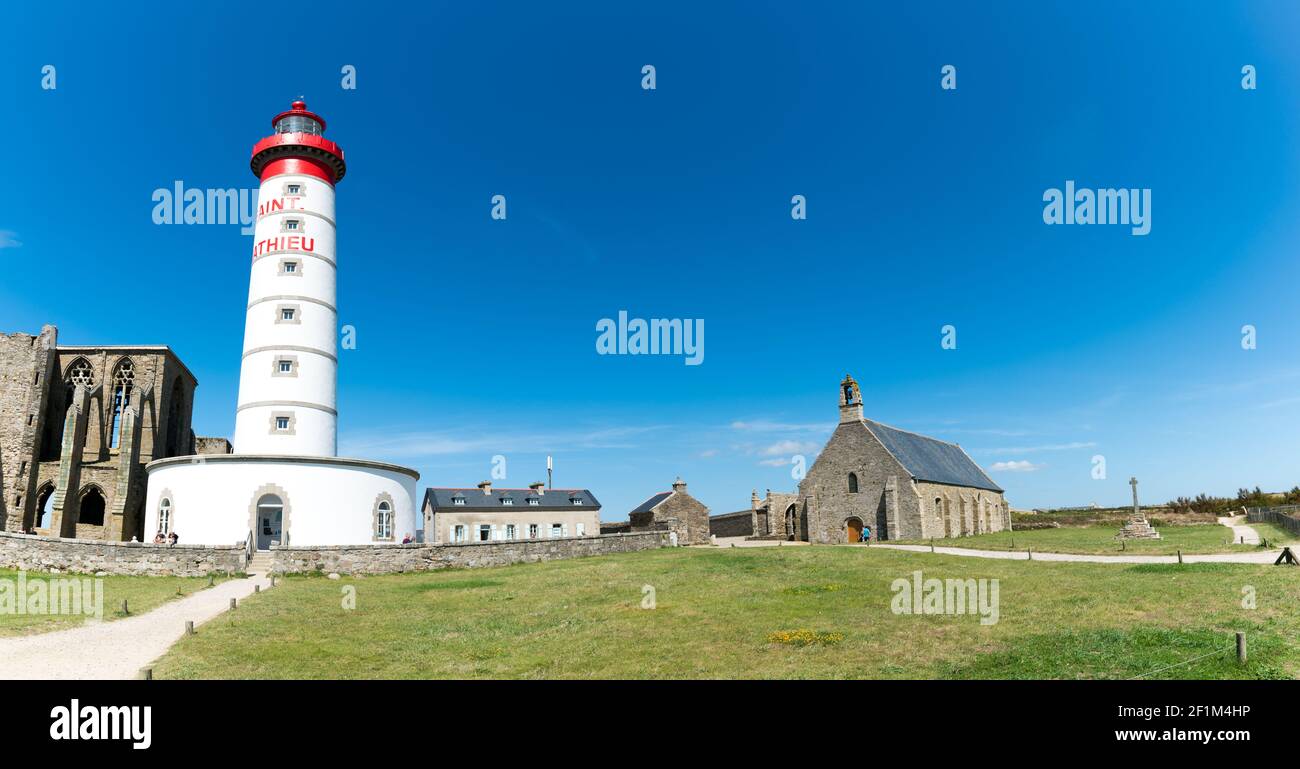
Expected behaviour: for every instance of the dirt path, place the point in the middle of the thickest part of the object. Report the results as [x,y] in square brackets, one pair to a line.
[1240,531]
[1260,556]
[121,648]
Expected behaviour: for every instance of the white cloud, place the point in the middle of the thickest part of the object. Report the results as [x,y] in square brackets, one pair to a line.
[768,426]
[470,440]
[790,447]
[1017,466]
[9,239]
[709,453]
[1048,447]
[778,462]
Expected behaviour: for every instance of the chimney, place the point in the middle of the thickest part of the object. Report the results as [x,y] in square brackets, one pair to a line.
[679,485]
[486,486]
[753,499]
[537,486]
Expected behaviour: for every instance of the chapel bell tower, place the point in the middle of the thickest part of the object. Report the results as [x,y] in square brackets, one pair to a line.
[850,400]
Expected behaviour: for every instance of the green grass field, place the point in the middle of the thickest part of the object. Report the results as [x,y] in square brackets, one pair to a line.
[792,612]
[140,593]
[1209,538]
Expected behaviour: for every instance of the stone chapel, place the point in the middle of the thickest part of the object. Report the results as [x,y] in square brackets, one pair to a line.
[885,482]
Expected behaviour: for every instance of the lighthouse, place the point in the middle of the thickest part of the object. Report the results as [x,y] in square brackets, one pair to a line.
[289,371]
[284,485]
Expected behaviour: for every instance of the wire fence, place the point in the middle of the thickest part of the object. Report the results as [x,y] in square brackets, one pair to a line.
[1239,648]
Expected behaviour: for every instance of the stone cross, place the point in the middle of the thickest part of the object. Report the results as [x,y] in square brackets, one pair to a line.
[1136,510]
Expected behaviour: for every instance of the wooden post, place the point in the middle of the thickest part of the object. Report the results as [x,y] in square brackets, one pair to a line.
[1243,539]
[1123,545]
[257,588]
[733,544]
[125,609]
[1241,648]
[189,627]
[1180,555]
[232,603]
[1030,551]
[148,674]
[931,544]
[211,581]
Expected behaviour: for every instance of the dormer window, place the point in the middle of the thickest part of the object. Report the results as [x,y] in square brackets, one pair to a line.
[507,500]
[458,500]
[577,500]
[534,501]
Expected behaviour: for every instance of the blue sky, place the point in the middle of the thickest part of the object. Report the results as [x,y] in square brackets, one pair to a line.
[476,337]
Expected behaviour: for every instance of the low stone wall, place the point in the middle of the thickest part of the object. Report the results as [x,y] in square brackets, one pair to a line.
[739,524]
[617,527]
[388,559]
[36,553]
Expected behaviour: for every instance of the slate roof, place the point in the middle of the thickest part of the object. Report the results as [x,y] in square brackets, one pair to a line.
[653,502]
[930,459]
[475,499]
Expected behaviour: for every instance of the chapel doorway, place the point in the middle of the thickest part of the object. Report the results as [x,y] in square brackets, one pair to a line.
[853,528]
[791,524]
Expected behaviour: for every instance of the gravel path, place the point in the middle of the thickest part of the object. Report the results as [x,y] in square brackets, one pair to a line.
[119,649]
[1239,530]
[1260,556]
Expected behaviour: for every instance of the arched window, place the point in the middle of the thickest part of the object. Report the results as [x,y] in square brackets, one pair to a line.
[45,506]
[165,516]
[92,508]
[384,520]
[853,483]
[80,373]
[123,380]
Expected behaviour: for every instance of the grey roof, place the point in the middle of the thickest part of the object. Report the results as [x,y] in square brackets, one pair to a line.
[653,502]
[475,499]
[930,459]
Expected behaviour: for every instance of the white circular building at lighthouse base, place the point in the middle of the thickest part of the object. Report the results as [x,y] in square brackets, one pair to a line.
[222,499]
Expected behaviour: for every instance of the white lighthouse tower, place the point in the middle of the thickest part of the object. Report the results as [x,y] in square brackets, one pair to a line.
[289,374]
[284,485]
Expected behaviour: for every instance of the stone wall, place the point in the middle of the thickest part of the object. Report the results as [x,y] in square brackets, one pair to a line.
[959,510]
[388,559]
[209,445]
[616,527]
[26,364]
[33,553]
[739,524]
